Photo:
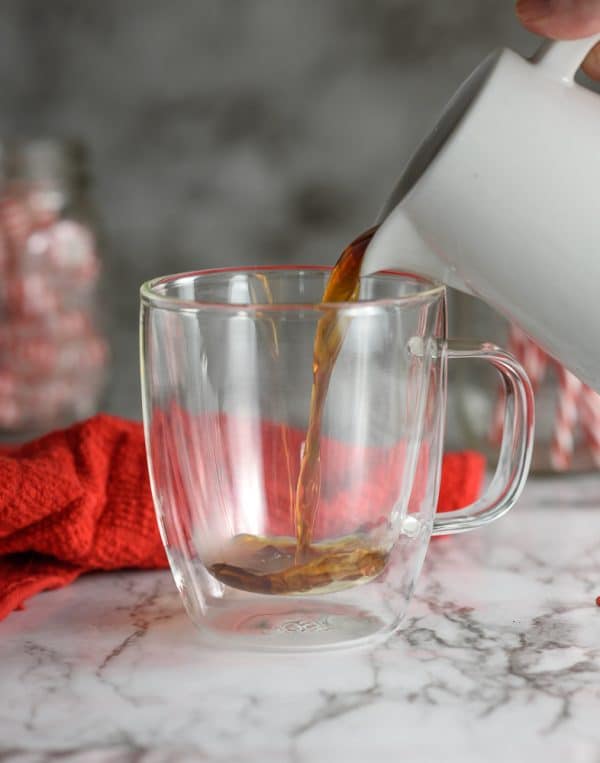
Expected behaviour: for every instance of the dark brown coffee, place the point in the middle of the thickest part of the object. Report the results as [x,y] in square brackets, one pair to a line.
[287,566]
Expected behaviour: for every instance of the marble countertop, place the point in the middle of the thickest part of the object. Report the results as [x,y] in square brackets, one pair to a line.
[499,660]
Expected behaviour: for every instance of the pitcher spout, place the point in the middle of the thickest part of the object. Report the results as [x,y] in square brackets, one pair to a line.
[397,245]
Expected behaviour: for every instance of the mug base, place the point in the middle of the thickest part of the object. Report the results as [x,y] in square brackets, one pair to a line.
[292,625]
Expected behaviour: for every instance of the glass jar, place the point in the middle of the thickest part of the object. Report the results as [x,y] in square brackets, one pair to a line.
[53,356]
[567,411]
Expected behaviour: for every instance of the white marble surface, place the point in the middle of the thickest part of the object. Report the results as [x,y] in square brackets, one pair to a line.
[499,661]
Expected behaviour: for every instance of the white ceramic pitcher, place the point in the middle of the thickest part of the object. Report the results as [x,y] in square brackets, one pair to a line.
[502,200]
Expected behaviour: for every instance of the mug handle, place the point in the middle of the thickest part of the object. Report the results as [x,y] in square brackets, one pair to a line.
[517,440]
[563,58]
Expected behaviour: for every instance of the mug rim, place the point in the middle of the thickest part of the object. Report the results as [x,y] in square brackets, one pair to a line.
[151,298]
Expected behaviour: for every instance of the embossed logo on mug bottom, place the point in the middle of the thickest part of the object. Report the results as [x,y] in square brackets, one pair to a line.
[284,624]
[304,626]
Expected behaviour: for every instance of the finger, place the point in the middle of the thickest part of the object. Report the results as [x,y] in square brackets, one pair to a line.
[560,19]
[591,65]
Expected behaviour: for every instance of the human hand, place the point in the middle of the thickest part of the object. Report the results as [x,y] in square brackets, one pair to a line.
[564,20]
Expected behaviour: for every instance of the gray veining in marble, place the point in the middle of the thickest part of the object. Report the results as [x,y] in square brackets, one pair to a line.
[499,660]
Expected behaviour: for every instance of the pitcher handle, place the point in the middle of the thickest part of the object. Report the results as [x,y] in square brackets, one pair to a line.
[517,440]
[563,58]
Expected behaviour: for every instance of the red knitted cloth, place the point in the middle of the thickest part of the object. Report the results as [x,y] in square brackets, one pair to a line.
[78,500]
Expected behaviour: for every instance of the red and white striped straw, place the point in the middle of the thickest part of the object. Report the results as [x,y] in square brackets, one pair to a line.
[535,362]
[565,421]
[590,421]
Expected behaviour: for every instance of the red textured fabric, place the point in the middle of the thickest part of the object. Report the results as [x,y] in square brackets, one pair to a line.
[79,500]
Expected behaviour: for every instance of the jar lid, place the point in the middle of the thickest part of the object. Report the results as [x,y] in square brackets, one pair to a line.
[45,160]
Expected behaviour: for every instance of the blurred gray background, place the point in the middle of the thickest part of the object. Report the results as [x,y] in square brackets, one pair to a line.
[235,132]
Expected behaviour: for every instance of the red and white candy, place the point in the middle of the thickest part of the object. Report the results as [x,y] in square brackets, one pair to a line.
[52,359]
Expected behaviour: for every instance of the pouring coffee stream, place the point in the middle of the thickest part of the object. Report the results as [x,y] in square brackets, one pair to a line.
[288,565]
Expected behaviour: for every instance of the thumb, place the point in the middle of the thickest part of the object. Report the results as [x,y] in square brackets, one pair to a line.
[564,20]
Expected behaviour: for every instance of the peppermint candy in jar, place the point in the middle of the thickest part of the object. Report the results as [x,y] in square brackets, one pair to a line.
[53,357]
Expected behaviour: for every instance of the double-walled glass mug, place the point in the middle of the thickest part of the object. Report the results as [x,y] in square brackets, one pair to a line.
[227,373]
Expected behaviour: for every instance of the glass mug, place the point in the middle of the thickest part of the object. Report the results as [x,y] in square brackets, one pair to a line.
[227,371]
